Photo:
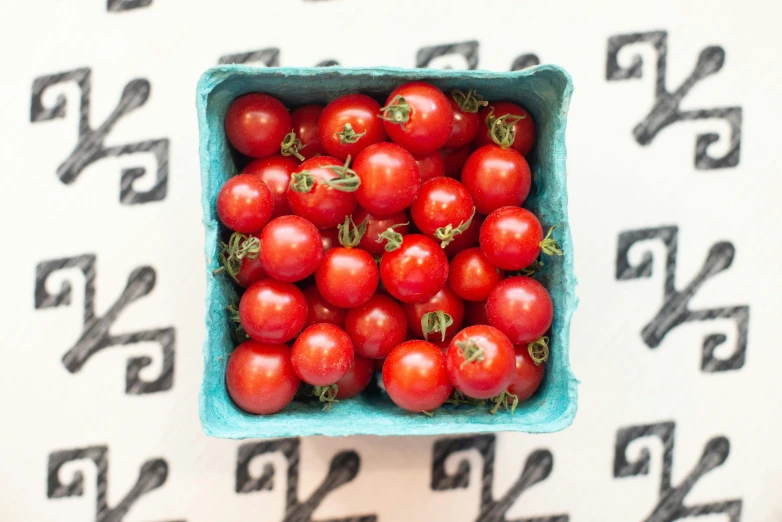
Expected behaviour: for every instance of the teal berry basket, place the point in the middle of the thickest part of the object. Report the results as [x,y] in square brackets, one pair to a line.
[545,92]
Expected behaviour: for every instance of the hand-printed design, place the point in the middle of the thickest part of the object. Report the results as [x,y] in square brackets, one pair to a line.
[343,469]
[90,146]
[666,109]
[670,505]
[96,334]
[269,57]
[537,468]
[126,5]
[152,475]
[466,50]
[523,61]
[675,308]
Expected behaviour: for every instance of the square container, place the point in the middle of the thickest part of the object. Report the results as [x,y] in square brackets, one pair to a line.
[545,92]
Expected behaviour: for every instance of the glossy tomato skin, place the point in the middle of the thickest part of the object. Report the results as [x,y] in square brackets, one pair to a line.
[250,270]
[521,308]
[488,376]
[430,165]
[323,206]
[347,277]
[445,300]
[291,248]
[329,238]
[358,110]
[260,377]
[496,178]
[322,354]
[256,124]
[244,203]
[441,202]
[304,120]
[276,172]
[415,375]
[272,311]
[475,313]
[376,225]
[467,239]
[415,271]
[321,311]
[430,120]
[524,129]
[528,375]
[376,327]
[454,160]
[465,126]
[389,179]
[357,378]
[471,276]
[510,238]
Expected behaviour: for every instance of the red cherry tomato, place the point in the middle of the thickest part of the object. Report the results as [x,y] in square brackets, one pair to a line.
[496,177]
[323,205]
[291,248]
[272,311]
[521,308]
[305,124]
[321,311]
[442,202]
[276,172]
[389,179]
[347,277]
[357,378]
[511,238]
[454,159]
[528,375]
[475,313]
[481,362]
[440,343]
[322,354]
[430,165]
[376,226]
[260,377]
[329,238]
[244,203]
[445,301]
[467,239]
[376,327]
[415,271]
[465,126]
[250,269]
[418,117]
[416,377]
[350,124]
[523,130]
[256,124]
[471,276]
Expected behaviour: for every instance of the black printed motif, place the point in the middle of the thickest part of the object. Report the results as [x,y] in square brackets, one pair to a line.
[90,146]
[523,61]
[467,51]
[675,309]
[126,5]
[152,475]
[269,57]
[537,468]
[670,505]
[96,335]
[343,469]
[666,109]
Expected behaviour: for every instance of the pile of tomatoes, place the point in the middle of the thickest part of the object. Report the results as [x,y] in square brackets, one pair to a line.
[384,238]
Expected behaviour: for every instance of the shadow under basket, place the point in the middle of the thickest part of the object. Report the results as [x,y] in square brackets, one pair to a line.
[545,92]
